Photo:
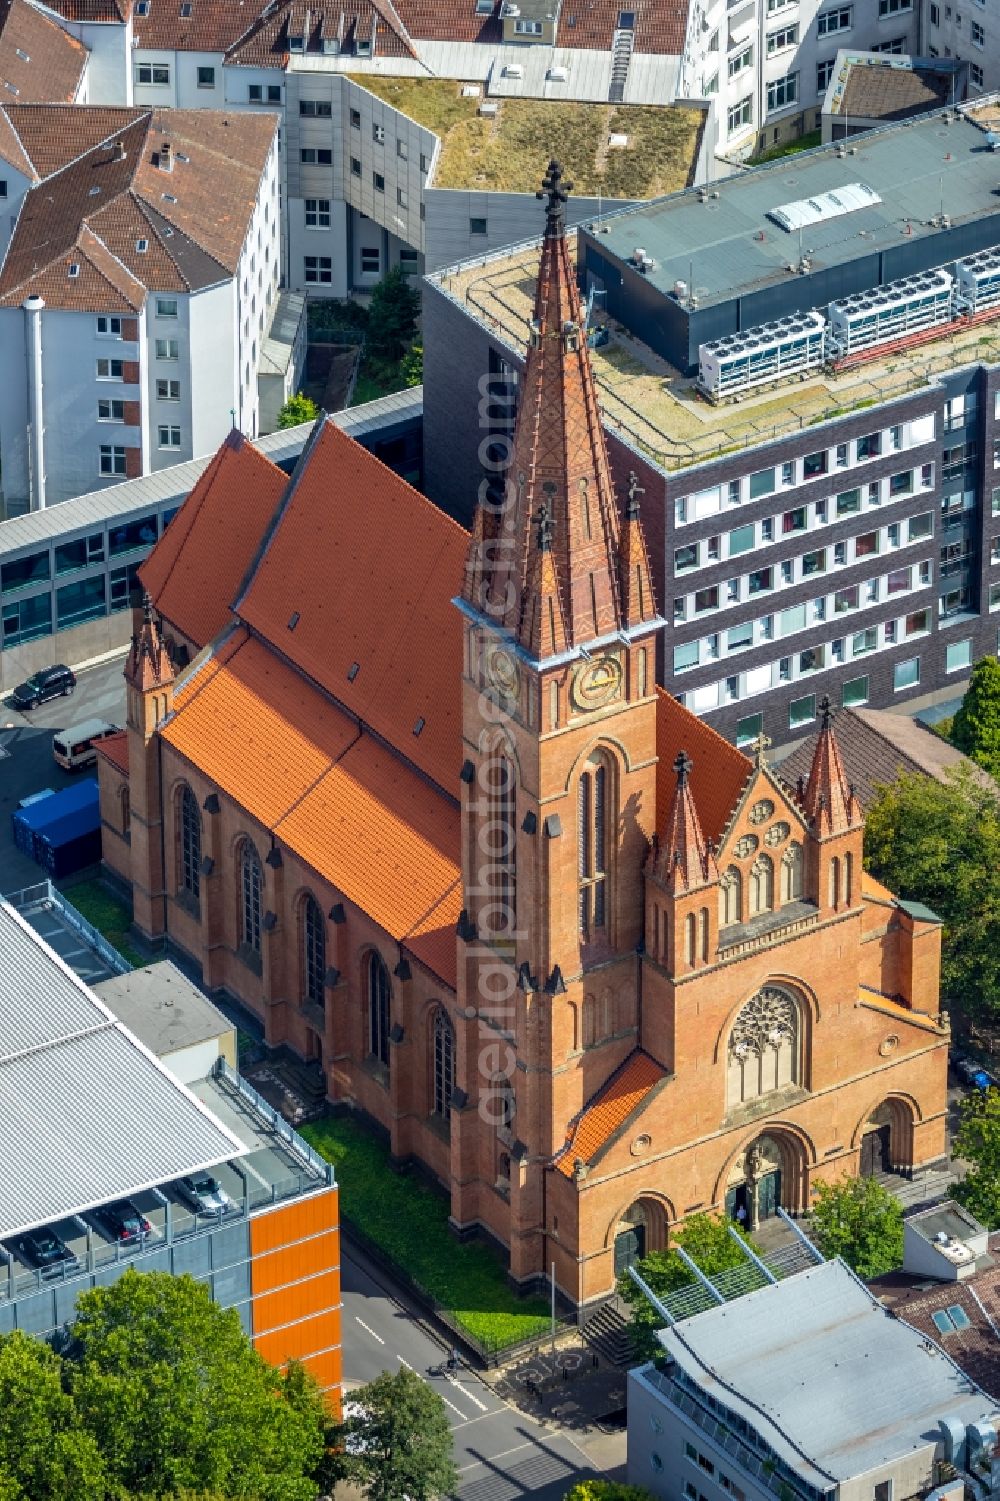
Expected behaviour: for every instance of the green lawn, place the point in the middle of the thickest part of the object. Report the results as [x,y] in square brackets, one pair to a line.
[408,1219]
[790,148]
[108,914]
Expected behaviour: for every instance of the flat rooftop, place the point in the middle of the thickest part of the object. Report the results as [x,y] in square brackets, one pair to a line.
[934,163]
[658,409]
[509,151]
[804,1363]
[163,1007]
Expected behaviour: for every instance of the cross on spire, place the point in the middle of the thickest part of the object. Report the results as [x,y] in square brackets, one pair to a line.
[825,712]
[682,766]
[634,491]
[759,746]
[557,191]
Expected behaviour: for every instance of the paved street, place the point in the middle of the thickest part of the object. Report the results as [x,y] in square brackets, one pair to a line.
[501,1453]
[26,763]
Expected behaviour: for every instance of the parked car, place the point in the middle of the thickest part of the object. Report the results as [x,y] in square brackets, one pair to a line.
[122,1221]
[43,1251]
[75,747]
[971,1072]
[203,1193]
[50,682]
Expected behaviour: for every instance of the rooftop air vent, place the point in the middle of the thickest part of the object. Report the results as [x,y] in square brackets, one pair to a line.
[513,70]
[22,55]
[293,620]
[558,75]
[93,192]
[418,727]
[168,197]
[617,141]
[489,108]
[353,671]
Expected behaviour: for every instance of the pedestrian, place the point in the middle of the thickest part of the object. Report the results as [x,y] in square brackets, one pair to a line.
[453,1360]
[741,1215]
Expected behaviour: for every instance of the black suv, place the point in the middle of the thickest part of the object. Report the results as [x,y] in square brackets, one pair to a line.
[43,1251]
[49,683]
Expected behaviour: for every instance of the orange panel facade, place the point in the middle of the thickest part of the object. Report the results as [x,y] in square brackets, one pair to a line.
[295,1286]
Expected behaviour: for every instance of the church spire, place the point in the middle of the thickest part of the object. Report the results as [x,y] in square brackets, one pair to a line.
[589,581]
[148,663]
[828,800]
[684,859]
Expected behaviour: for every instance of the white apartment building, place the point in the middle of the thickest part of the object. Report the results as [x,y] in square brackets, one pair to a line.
[969,29]
[135,294]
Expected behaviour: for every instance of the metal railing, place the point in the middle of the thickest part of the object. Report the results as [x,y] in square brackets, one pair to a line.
[236,1083]
[45,896]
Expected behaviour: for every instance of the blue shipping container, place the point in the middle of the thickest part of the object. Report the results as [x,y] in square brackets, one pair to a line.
[65,857]
[29,823]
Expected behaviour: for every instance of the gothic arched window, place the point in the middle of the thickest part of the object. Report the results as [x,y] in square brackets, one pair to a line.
[378,1009]
[251,881]
[761,885]
[313,952]
[791,873]
[190,822]
[444,1063]
[730,897]
[764,1046]
[593,821]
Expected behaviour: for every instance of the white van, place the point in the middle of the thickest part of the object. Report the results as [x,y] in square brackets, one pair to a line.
[74,748]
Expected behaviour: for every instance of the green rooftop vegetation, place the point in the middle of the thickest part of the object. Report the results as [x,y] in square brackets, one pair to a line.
[510,151]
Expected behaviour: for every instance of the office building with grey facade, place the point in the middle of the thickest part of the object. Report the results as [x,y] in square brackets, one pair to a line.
[802,367]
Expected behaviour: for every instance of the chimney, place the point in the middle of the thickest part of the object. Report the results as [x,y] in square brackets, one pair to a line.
[118,154]
[166,162]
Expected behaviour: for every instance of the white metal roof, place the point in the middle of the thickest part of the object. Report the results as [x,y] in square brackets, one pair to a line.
[806,1362]
[87,1113]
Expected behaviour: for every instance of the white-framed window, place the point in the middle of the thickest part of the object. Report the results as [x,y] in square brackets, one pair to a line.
[318,269]
[906,674]
[958,656]
[894,7]
[317,213]
[824,72]
[110,409]
[167,349]
[166,307]
[110,370]
[783,92]
[168,390]
[371,260]
[777,41]
[527,28]
[978,34]
[112,459]
[832,21]
[109,328]
[378,133]
[740,114]
[741,61]
[169,436]
[206,78]
[153,73]
[976,75]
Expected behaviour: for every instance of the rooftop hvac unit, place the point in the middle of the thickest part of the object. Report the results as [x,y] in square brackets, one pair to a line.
[470,91]
[489,108]
[558,75]
[513,70]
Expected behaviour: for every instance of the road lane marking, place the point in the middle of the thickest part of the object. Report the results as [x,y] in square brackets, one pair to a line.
[369,1331]
[490,1459]
[404,1362]
[454,1409]
[466,1393]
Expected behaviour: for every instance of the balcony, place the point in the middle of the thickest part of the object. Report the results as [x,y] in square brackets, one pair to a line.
[770,927]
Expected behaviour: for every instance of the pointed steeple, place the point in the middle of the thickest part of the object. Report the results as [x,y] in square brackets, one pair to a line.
[828,800]
[148,663]
[637,592]
[598,578]
[684,858]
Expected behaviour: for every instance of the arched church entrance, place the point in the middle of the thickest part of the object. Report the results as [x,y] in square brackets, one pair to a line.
[641,1229]
[887,1140]
[769,1174]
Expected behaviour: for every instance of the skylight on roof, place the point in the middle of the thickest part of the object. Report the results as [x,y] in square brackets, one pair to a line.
[823,206]
[22,55]
[142,9]
[951,1320]
[74,269]
[168,197]
[12,88]
[142,246]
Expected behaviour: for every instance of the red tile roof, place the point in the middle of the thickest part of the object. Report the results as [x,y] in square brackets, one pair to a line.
[718,773]
[192,220]
[330,793]
[195,570]
[659,24]
[974,1348]
[354,586]
[265,43]
[115,749]
[619,1098]
[92,10]
[39,60]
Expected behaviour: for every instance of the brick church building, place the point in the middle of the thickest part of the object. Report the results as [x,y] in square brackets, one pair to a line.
[415,800]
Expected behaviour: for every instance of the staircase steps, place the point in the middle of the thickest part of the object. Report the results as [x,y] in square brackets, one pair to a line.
[621,56]
[610,1334]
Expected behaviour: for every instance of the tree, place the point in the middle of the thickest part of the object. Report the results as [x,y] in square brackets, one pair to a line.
[976,727]
[860,1220]
[606,1490]
[44,1454]
[176,1397]
[978,1143]
[398,1439]
[412,366]
[298,408]
[707,1240]
[939,843]
[392,316]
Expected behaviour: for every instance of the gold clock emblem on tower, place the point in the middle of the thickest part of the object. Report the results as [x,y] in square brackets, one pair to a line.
[597,683]
[502,673]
